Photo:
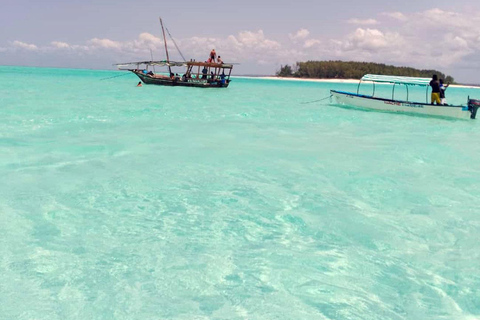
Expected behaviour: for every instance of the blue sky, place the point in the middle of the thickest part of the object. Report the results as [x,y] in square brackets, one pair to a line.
[260,35]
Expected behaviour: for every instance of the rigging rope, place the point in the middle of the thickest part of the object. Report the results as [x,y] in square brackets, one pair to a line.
[316,100]
[178,49]
[125,74]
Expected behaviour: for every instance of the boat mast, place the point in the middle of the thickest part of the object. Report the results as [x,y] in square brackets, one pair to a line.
[166,49]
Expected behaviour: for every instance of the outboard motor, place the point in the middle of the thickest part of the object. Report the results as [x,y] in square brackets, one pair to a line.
[473,106]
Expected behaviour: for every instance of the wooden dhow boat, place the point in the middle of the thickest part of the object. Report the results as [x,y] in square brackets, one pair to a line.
[468,111]
[196,74]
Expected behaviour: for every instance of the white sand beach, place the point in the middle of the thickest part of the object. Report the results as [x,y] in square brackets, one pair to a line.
[340,81]
[302,79]
[313,80]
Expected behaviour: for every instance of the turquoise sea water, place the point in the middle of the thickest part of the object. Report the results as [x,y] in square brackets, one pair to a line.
[118,202]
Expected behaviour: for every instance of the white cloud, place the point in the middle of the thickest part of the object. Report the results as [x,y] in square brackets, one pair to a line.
[429,39]
[246,46]
[105,43]
[23,45]
[60,45]
[147,39]
[363,22]
[457,42]
[448,36]
[396,15]
[300,34]
[366,39]
[372,45]
[256,40]
[311,42]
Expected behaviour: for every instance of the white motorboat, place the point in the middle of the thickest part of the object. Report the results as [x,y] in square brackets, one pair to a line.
[467,111]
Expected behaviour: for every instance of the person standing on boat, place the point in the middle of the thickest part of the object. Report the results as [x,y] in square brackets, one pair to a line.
[219,60]
[442,92]
[435,84]
[213,56]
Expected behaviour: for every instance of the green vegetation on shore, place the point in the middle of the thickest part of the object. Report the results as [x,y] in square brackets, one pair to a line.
[353,70]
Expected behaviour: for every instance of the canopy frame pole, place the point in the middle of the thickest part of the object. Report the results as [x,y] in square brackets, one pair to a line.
[151,55]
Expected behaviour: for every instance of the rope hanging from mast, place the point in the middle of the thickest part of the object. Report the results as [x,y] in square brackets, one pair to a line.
[178,49]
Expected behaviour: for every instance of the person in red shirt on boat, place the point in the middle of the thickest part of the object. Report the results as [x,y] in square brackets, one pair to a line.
[213,56]
[435,84]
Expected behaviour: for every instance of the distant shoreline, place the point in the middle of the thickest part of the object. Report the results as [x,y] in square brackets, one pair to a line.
[300,79]
[336,80]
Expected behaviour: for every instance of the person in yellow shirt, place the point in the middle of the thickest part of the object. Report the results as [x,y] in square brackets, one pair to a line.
[435,84]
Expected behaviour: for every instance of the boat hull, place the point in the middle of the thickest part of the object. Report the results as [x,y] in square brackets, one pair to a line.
[373,103]
[192,82]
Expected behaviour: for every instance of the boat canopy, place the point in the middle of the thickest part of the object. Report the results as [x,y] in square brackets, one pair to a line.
[397,80]
[154,63]
[407,81]
[164,63]
[209,64]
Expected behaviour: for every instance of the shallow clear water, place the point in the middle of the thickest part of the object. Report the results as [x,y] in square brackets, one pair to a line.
[120,202]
